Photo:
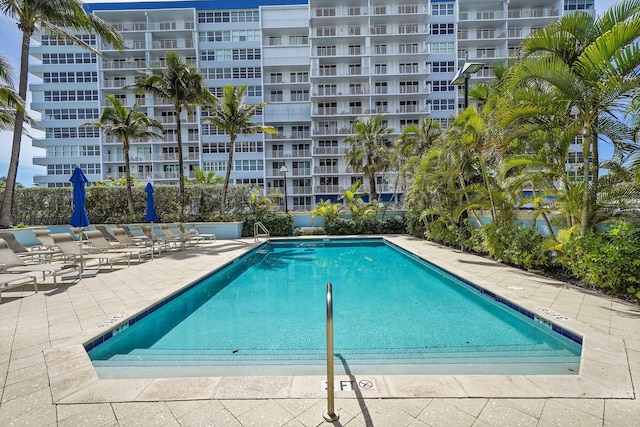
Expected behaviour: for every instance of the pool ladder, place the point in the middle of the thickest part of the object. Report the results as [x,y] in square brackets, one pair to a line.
[260,231]
[330,415]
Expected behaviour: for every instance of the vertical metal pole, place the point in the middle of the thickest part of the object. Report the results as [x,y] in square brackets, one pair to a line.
[466,91]
[331,415]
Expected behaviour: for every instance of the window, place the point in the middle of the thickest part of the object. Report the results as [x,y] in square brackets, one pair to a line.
[443,104]
[354,30]
[245,54]
[355,89]
[71,114]
[380,69]
[275,78]
[382,107]
[408,28]
[443,67]
[381,88]
[70,77]
[275,96]
[298,40]
[380,49]
[327,70]
[441,29]
[299,95]
[379,29]
[441,86]
[410,106]
[578,4]
[408,9]
[326,11]
[70,95]
[275,40]
[409,87]
[325,31]
[248,165]
[67,169]
[327,89]
[326,51]
[215,147]
[69,58]
[408,48]
[214,166]
[248,147]
[440,9]
[442,47]
[355,49]
[299,77]
[254,90]
[355,69]
[410,68]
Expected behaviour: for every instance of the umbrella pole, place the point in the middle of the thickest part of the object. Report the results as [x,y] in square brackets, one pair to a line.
[81,254]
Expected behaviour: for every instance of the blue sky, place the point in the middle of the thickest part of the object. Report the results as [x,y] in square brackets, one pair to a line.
[10,49]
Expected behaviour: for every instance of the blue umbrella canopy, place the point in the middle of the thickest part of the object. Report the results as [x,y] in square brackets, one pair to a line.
[151,215]
[79,217]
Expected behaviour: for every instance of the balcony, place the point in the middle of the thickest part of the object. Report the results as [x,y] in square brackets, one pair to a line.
[328,189]
[323,151]
[301,190]
[326,169]
[533,13]
[119,65]
[301,172]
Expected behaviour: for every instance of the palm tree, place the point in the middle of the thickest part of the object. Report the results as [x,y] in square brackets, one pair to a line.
[55,17]
[9,99]
[183,85]
[592,63]
[369,150]
[127,125]
[232,115]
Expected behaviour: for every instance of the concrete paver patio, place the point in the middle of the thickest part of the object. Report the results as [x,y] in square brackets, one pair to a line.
[46,378]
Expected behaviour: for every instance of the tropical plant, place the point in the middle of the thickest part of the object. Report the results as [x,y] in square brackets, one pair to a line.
[592,63]
[58,18]
[234,116]
[202,178]
[9,99]
[127,125]
[369,149]
[412,145]
[183,86]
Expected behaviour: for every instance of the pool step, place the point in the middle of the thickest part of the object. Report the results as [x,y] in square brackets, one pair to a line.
[158,357]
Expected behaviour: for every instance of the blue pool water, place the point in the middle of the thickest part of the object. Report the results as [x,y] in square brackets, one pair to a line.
[393,313]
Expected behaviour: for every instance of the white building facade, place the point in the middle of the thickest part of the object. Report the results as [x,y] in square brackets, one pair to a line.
[319,65]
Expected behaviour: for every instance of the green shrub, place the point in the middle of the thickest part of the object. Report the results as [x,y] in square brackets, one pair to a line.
[278,224]
[608,260]
[511,244]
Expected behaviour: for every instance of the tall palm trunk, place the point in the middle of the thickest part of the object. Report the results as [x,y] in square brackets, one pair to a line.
[7,200]
[227,175]
[586,169]
[180,158]
[127,171]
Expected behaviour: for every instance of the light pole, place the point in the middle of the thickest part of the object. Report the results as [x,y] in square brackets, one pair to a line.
[462,77]
[284,170]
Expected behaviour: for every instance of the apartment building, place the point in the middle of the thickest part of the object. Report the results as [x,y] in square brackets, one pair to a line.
[320,66]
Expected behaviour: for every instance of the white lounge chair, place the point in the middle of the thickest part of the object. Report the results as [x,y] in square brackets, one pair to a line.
[11,263]
[8,280]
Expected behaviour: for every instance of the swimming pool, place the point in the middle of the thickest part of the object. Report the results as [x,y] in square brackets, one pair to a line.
[264,314]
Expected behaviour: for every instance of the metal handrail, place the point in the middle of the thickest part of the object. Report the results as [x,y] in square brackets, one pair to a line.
[259,230]
[331,415]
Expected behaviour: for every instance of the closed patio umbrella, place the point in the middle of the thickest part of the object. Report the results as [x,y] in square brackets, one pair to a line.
[79,216]
[151,215]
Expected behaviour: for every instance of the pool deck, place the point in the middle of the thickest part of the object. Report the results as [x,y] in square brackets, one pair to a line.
[47,379]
